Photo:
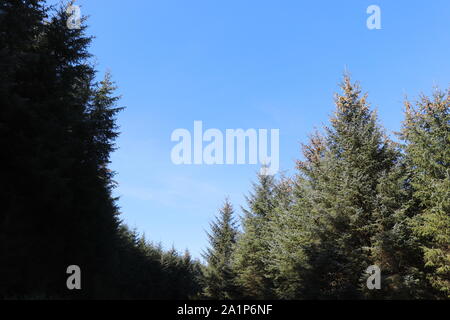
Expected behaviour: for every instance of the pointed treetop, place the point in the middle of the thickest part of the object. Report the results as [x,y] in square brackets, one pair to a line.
[351,97]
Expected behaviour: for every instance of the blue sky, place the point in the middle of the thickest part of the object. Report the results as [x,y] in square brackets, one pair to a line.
[246,64]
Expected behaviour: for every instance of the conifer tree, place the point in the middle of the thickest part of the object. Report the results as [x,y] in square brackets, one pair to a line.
[293,227]
[426,132]
[395,248]
[64,203]
[59,127]
[251,254]
[219,277]
[29,177]
[343,195]
[287,258]
[83,136]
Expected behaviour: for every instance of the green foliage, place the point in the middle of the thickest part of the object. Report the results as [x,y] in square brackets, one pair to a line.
[288,261]
[146,271]
[342,171]
[358,199]
[426,132]
[343,212]
[219,277]
[250,258]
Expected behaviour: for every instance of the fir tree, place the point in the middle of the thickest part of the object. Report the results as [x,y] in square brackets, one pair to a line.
[287,226]
[426,132]
[219,277]
[343,182]
[251,254]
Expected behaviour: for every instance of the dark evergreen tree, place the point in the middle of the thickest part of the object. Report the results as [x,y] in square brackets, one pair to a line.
[395,248]
[59,126]
[251,254]
[293,228]
[219,277]
[20,24]
[181,276]
[34,91]
[287,232]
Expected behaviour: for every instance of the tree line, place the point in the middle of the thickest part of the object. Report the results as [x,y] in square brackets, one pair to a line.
[57,131]
[357,199]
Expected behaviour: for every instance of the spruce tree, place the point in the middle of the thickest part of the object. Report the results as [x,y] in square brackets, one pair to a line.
[29,179]
[426,132]
[293,227]
[287,258]
[395,248]
[60,211]
[219,277]
[251,254]
[59,128]
[342,194]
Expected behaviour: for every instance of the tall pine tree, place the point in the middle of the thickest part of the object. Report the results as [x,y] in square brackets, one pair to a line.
[251,254]
[426,132]
[219,277]
[343,180]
